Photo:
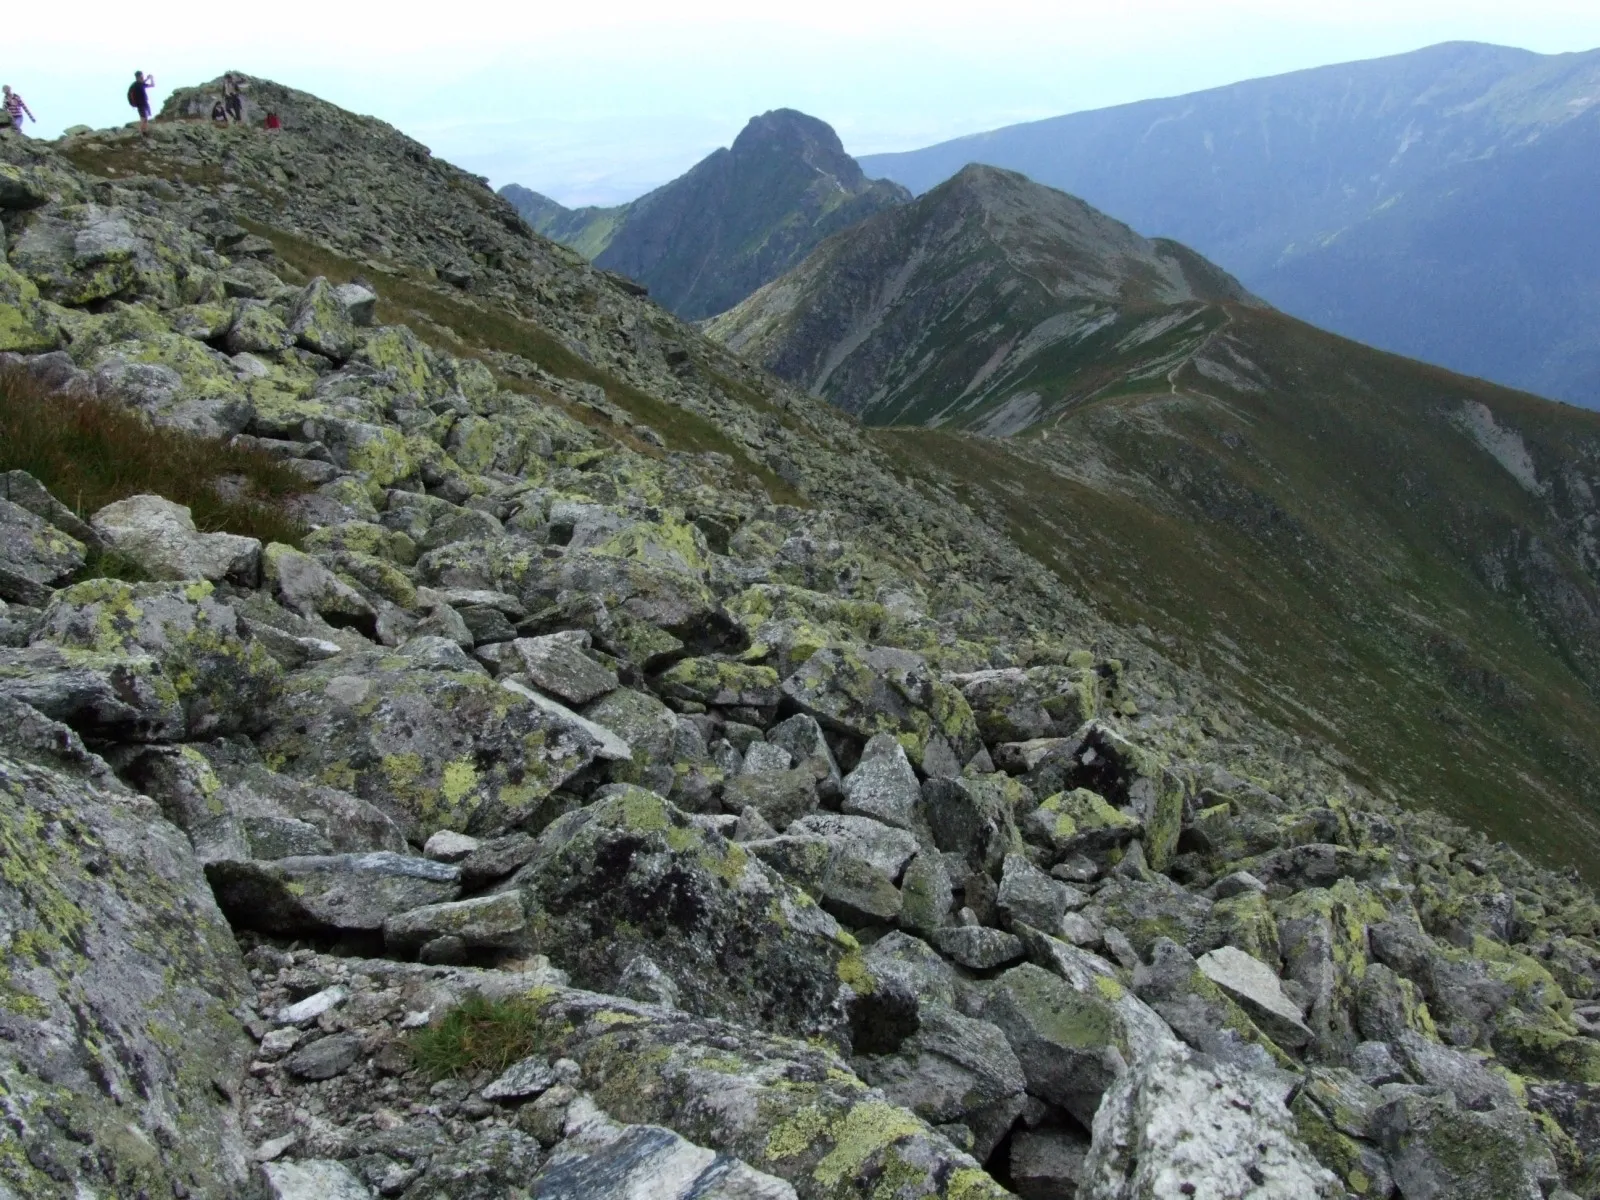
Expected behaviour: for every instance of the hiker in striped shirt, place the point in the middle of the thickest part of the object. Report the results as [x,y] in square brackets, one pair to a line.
[15,108]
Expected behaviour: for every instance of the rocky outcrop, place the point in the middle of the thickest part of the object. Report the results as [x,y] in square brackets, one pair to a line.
[698,807]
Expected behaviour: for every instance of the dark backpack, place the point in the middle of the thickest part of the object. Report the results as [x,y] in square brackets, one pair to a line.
[135,94]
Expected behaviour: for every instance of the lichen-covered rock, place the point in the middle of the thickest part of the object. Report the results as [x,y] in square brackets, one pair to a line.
[1180,1124]
[1256,988]
[35,556]
[329,894]
[161,538]
[303,585]
[424,735]
[484,921]
[954,1070]
[883,690]
[883,786]
[719,682]
[646,725]
[1081,822]
[975,817]
[1437,1149]
[120,1058]
[321,322]
[557,664]
[125,697]
[1145,912]
[224,683]
[630,874]
[25,324]
[1072,1045]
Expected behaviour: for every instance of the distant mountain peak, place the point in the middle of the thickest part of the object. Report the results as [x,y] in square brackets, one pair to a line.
[736,220]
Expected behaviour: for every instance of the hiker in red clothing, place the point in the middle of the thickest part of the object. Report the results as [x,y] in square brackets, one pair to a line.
[139,98]
[15,107]
[272,123]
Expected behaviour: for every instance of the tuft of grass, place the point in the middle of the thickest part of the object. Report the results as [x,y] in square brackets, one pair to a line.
[478,1035]
[90,454]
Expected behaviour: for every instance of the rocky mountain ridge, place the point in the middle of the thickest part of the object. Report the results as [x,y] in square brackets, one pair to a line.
[637,780]
[742,216]
[1384,200]
[1213,441]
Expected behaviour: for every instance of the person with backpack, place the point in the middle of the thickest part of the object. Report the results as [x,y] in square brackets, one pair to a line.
[231,98]
[15,107]
[139,98]
[219,113]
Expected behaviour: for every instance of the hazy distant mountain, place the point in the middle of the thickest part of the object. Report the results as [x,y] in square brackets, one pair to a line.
[739,218]
[974,305]
[1442,204]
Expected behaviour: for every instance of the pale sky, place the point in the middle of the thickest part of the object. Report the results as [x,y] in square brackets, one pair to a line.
[597,104]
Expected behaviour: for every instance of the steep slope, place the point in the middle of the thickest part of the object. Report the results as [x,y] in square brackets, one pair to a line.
[742,216]
[1206,460]
[640,778]
[1386,200]
[964,307]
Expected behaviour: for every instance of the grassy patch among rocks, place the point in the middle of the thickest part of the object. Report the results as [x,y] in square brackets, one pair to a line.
[478,1035]
[90,454]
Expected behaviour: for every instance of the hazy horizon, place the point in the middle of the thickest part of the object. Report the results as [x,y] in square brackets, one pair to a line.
[600,109]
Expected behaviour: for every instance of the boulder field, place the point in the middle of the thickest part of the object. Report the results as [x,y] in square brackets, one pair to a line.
[573,812]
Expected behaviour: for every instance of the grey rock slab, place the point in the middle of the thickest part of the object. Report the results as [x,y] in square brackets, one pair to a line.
[977,947]
[325,1057]
[522,1081]
[329,893]
[883,786]
[303,1012]
[1048,1165]
[161,537]
[557,664]
[648,1161]
[858,894]
[313,1179]
[927,894]
[1180,1119]
[1257,989]
[483,921]
[1028,896]
[1440,1151]
[802,737]
[496,858]
[447,846]
[113,942]
[951,1068]
[780,797]
[608,746]
[1072,1045]
[304,586]
[764,757]
[886,849]
[35,556]
[119,696]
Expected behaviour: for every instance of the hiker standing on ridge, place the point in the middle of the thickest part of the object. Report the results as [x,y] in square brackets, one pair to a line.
[15,108]
[139,98]
[231,99]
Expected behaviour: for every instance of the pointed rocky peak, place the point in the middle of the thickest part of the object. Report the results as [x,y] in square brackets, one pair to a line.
[788,133]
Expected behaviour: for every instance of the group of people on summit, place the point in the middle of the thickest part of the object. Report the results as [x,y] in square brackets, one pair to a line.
[228,109]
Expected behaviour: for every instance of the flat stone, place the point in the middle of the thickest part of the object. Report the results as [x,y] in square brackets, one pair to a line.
[313,1179]
[484,921]
[522,1081]
[1259,992]
[325,1057]
[612,747]
[308,1010]
[447,846]
[161,537]
[978,947]
[557,664]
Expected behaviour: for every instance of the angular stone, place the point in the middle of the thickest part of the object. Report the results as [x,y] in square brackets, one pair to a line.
[484,921]
[1256,988]
[883,786]
[802,737]
[608,746]
[1179,1119]
[161,537]
[1030,897]
[858,894]
[313,1179]
[977,947]
[975,817]
[1438,1150]
[780,797]
[884,848]
[1048,1165]
[496,858]
[522,1081]
[303,1012]
[304,586]
[446,846]
[35,556]
[557,664]
[1081,822]
[337,893]
[927,895]
[1072,1046]
[325,1057]
[321,323]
